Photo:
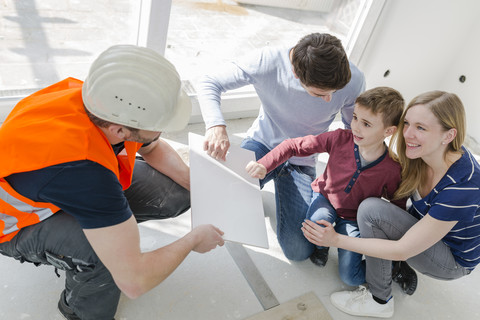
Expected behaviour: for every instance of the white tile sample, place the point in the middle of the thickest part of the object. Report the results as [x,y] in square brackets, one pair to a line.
[224,194]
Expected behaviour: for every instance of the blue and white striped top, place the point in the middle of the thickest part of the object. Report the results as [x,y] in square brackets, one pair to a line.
[457,198]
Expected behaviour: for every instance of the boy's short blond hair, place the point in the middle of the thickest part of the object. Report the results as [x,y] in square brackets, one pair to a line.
[386,100]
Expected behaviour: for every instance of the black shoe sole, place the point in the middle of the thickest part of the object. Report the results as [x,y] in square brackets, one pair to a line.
[406,277]
[65,310]
[319,257]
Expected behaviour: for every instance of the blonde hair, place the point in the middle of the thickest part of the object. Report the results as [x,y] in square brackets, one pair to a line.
[450,113]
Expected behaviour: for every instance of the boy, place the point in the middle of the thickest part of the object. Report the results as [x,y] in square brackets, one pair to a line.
[359,167]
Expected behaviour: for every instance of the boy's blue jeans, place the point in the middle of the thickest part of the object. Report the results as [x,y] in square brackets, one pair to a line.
[351,267]
[292,197]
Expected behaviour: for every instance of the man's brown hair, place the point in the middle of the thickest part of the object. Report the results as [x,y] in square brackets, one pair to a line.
[320,61]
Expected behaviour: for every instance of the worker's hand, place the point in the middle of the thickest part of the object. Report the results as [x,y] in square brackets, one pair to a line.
[208,237]
[256,170]
[321,233]
[216,142]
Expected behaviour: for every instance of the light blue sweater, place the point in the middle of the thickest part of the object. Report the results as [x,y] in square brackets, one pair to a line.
[287,110]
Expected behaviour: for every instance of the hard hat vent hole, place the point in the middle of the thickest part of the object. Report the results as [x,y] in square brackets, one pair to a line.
[131,104]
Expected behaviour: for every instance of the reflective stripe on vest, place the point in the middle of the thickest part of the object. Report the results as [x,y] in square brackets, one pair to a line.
[17,211]
[11,221]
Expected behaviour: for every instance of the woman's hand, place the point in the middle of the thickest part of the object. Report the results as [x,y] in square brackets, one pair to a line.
[320,233]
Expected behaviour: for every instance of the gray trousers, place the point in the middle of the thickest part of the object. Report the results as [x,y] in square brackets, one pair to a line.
[60,241]
[380,219]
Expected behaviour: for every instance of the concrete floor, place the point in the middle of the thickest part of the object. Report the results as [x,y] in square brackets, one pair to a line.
[38,42]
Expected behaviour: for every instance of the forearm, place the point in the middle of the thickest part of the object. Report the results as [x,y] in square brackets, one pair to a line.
[421,236]
[210,88]
[155,266]
[165,159]
[209,97]
[136,272]
[300,147]
[133,271]
[378,248]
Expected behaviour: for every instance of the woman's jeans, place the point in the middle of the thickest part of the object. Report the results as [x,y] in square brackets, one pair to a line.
[351,266]
[59,241]
[380,219]
[292,197]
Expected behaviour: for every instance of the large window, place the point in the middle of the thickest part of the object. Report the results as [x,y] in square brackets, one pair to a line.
[44,41]
[204,33]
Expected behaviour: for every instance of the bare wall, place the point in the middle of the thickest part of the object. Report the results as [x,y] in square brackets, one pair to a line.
[427,45]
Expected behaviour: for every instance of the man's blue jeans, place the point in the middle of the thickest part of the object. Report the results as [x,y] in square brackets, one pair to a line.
[292,196]
[351,267]
[60,241]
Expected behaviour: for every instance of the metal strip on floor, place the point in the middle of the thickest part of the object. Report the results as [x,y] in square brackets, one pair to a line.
[250,272]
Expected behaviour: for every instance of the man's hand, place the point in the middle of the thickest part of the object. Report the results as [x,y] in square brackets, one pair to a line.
[256,170]
[209,237]
[136,272]
[216,142]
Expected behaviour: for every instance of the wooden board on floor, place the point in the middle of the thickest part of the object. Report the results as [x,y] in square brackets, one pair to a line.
[306,307]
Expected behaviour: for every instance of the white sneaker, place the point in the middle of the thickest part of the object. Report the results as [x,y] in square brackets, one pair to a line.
[360,303]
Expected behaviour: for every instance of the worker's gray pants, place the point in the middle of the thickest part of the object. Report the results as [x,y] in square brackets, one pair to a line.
[60,241]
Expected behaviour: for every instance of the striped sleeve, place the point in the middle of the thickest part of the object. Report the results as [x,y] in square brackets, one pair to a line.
[458,202]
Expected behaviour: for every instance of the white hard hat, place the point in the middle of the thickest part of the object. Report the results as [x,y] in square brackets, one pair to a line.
[136,87]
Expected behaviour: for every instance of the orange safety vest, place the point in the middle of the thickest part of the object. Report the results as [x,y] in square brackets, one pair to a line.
[47,128]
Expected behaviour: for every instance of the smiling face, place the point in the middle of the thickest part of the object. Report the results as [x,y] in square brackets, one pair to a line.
[424,135]
[368,128]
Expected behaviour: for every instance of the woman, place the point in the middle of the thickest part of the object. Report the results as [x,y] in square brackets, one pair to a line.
[440,234]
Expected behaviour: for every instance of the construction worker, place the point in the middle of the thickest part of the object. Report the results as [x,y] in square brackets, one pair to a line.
[72,189]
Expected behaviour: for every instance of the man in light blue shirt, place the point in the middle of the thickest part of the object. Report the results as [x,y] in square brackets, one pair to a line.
[301,89]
